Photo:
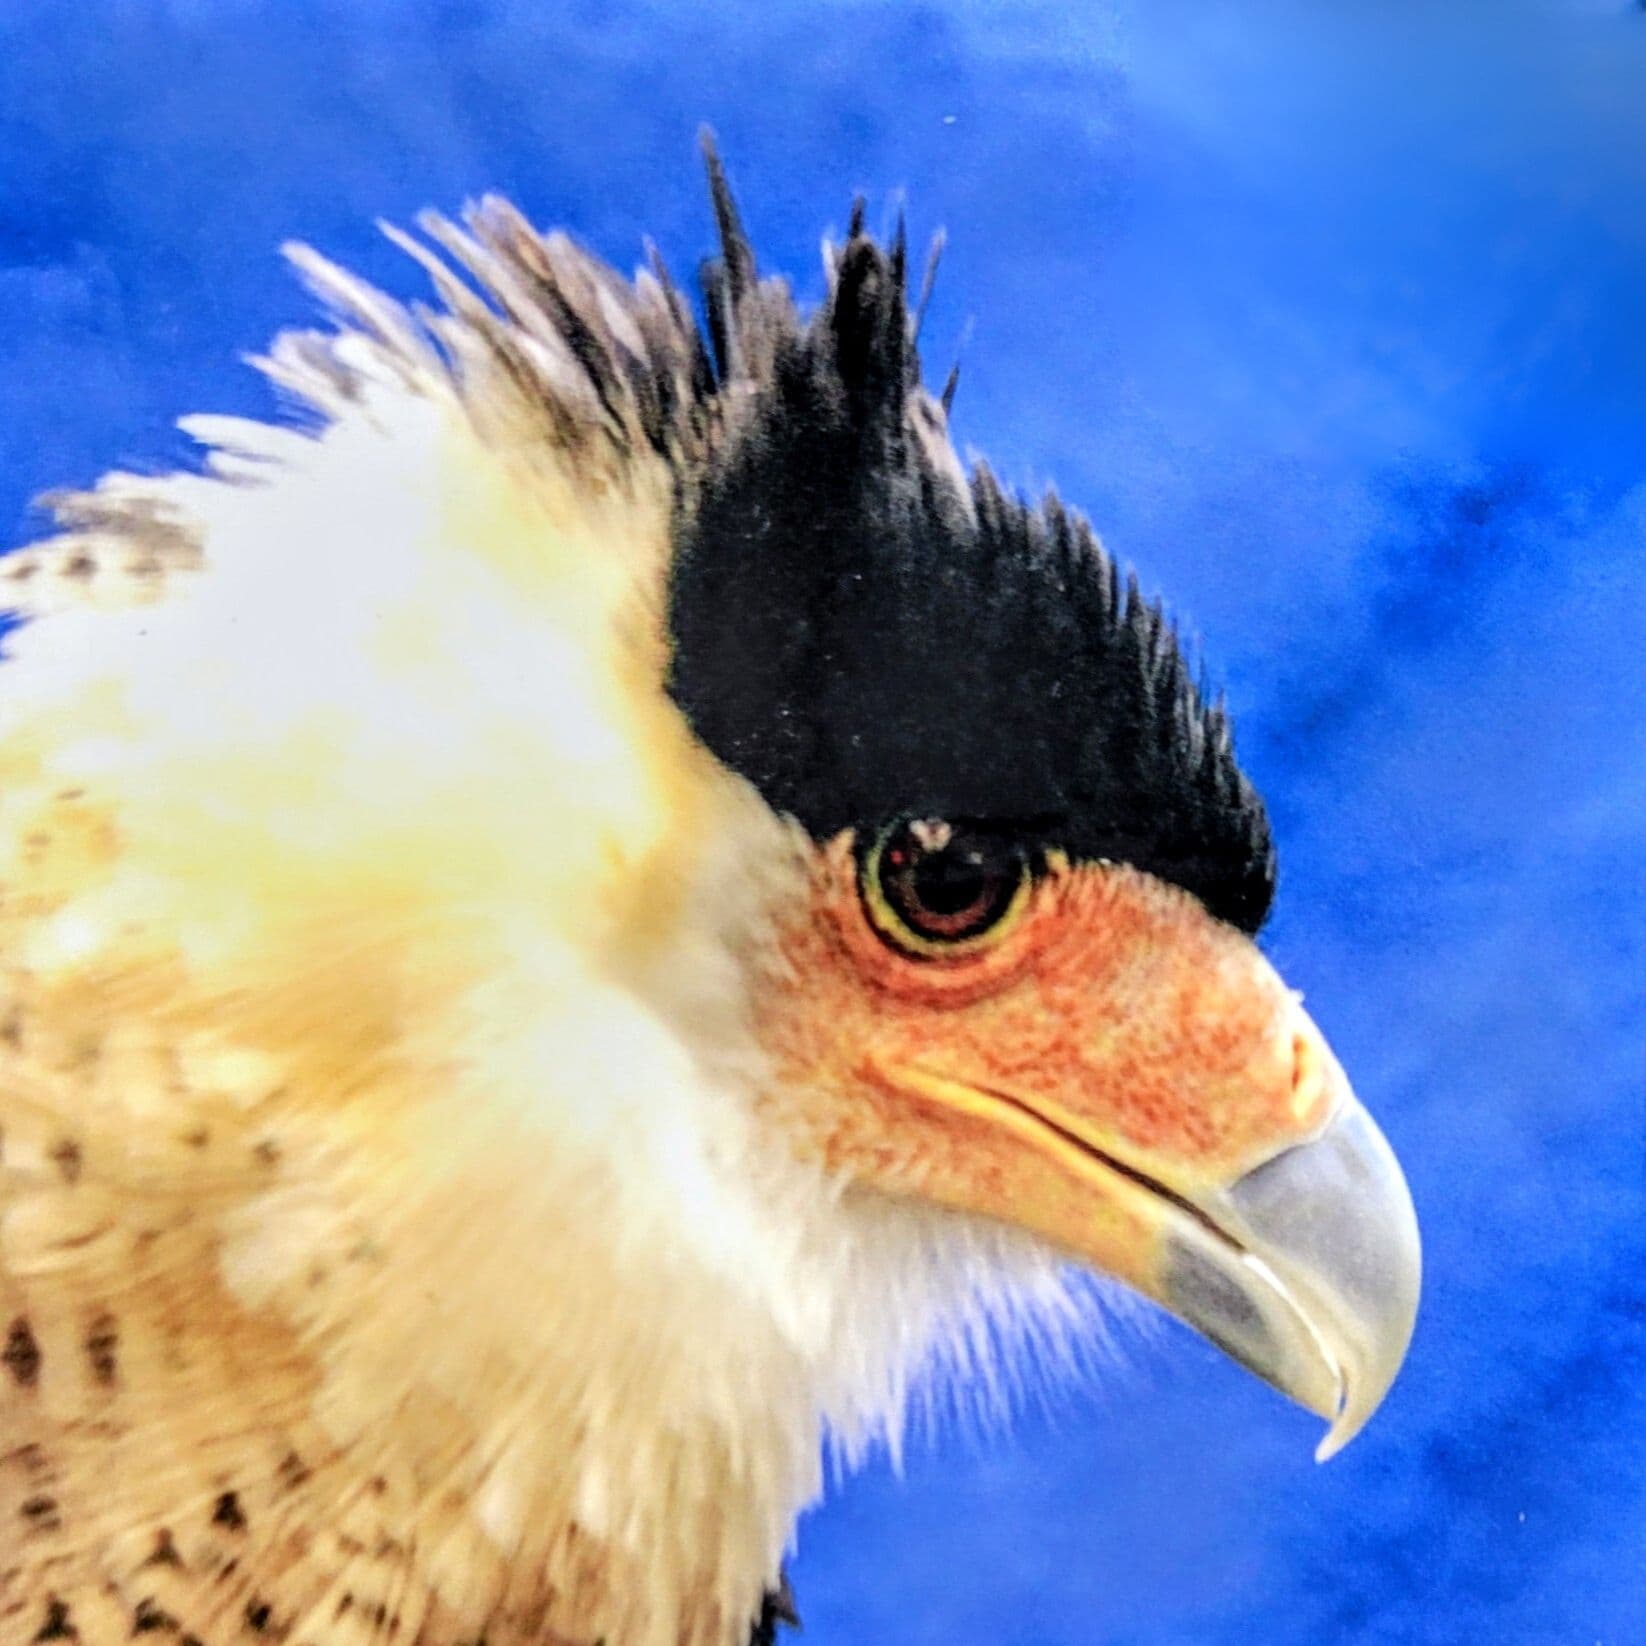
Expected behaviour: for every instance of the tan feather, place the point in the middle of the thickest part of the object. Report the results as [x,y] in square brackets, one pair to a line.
[388,1246]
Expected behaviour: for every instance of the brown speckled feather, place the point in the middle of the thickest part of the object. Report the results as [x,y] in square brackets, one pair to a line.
[194,1235]
[404,1236]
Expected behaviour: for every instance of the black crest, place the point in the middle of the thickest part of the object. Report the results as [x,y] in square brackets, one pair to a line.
[864,631]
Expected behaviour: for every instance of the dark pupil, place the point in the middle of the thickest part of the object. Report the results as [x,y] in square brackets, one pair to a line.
[949,891]
[949,883]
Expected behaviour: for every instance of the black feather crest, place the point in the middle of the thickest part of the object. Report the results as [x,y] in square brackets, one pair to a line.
[864,631]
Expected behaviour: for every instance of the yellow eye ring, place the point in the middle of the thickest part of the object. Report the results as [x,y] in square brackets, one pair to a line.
[938,890]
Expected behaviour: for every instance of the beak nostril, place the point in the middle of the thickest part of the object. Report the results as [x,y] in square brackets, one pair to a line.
[1302,1062]
[1306,1074]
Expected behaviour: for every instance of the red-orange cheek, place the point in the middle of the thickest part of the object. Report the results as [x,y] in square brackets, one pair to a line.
[1115,999]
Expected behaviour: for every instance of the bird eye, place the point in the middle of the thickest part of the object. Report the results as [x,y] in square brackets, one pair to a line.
[932,886]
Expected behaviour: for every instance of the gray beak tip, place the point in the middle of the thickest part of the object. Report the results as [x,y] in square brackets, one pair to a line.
[1317,1292]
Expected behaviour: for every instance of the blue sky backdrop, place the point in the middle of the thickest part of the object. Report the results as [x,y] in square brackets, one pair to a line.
[1334,319]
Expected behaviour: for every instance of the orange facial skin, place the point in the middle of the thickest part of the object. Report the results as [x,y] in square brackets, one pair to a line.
[1112,1051]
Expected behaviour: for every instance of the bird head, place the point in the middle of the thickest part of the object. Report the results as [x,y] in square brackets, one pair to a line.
[622,901]
[1017,979]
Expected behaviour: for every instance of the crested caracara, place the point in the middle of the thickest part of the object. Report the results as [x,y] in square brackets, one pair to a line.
[575,915]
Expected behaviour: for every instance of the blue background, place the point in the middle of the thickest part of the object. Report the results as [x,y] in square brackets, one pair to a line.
[1333,316]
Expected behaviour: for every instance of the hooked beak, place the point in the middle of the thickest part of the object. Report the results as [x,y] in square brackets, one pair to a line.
[1304,1267]
[1306,1270]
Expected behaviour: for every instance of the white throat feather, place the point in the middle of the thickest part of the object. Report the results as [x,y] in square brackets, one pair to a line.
[399,939]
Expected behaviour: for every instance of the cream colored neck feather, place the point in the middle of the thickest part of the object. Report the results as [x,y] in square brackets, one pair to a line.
[378,1067]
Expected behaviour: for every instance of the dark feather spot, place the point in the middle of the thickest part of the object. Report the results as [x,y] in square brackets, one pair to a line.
[28,1457]
[21,1355]
[102,1349]
[228,1513]
[58,1625]
[149,1618]
[258,1613]
[293,1471]
[68,1160]
[165,1550]
[777,1610]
